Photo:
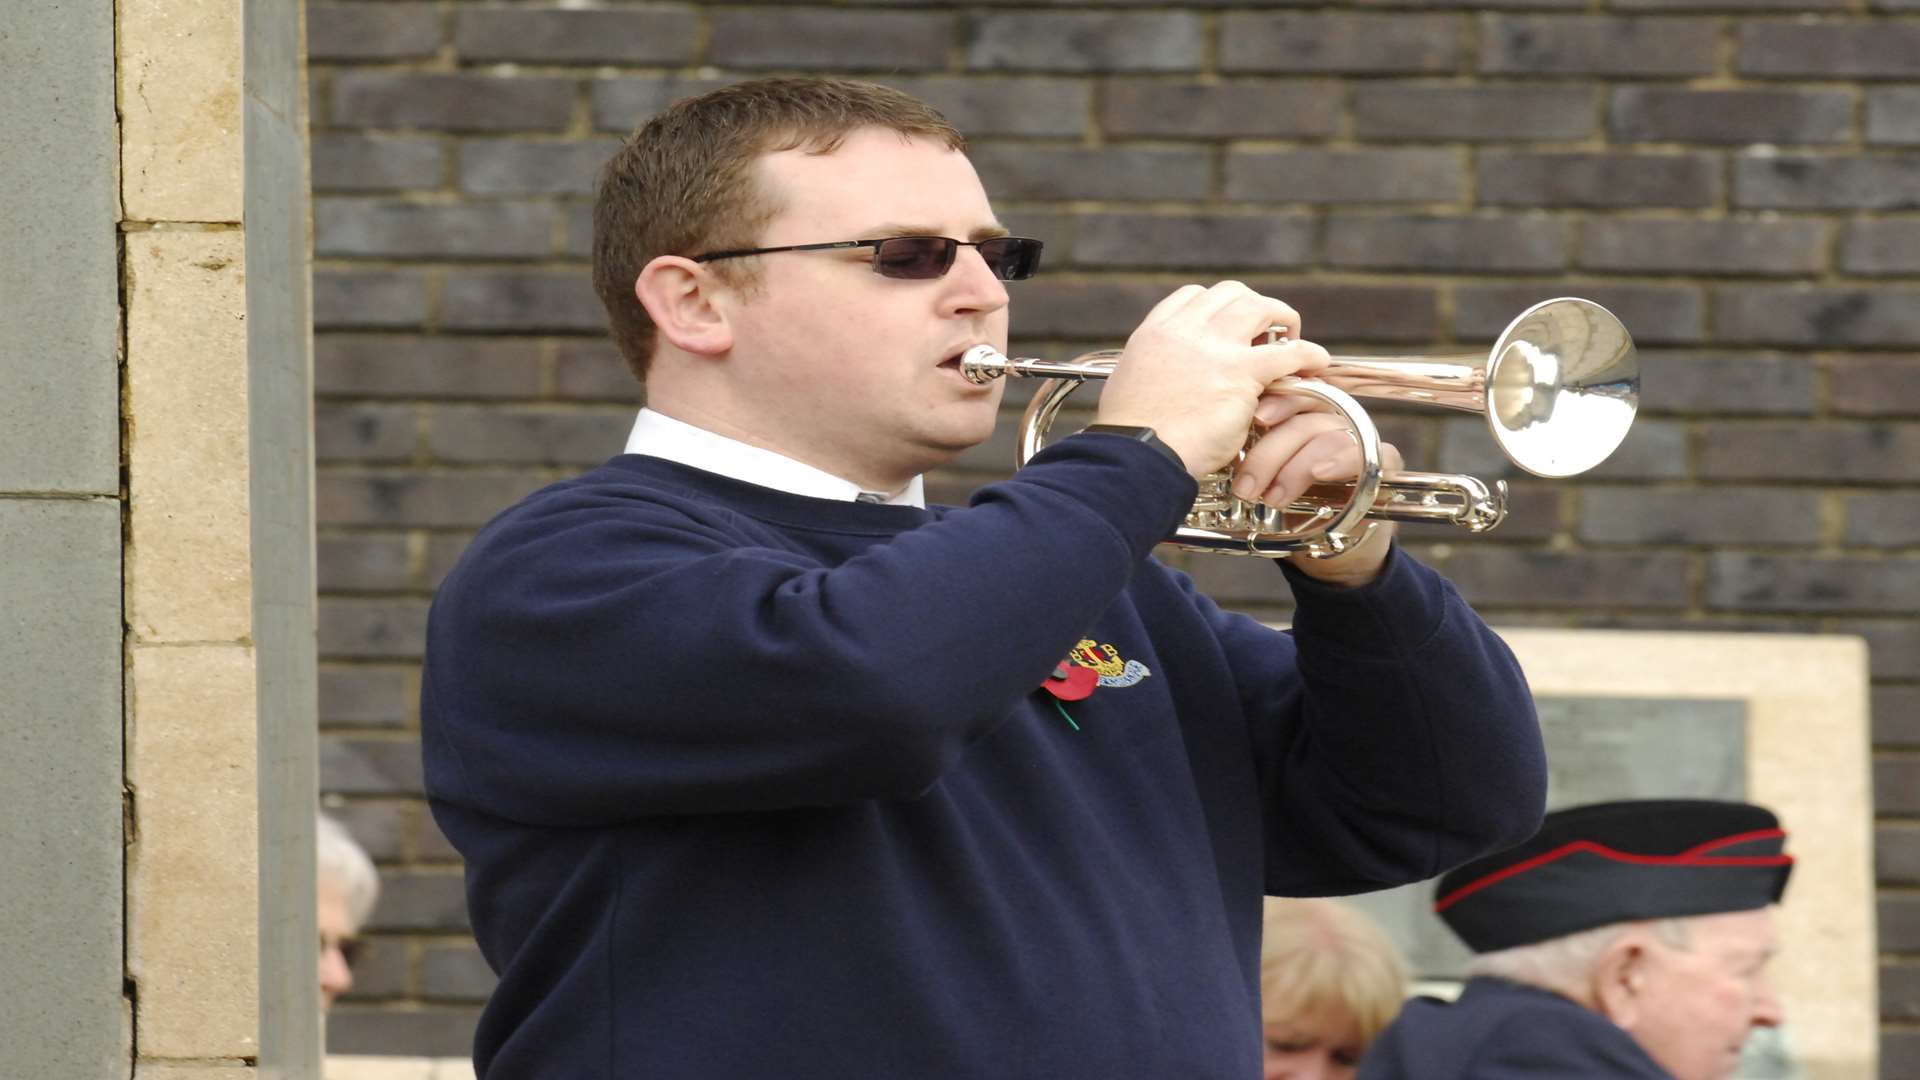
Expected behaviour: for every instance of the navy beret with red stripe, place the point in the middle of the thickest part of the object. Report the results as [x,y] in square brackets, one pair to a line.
[1604,863]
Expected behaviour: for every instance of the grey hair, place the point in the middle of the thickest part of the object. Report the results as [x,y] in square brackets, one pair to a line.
[345,865]
[1561,964]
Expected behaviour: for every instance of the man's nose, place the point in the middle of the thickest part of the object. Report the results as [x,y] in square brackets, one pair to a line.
[336,977]
[973,284]
[1767,1010]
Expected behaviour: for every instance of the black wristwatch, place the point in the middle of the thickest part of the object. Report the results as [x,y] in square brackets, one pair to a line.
[1140,434]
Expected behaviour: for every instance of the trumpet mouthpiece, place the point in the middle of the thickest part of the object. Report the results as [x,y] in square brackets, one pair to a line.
[982,364]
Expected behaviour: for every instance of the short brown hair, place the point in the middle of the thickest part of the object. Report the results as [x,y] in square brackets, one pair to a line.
[684,182]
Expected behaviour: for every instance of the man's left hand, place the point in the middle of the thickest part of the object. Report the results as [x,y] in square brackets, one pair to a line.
[1303,446]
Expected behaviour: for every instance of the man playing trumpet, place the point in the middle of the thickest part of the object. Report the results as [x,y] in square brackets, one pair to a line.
[761,767]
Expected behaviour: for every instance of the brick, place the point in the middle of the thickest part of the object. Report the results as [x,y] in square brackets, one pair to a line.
[1896,716]
[1653,314]
[443,552]
[1715,515]
[406,366]
[1003,105]
[1533,513]
[1086,41]
[372,629]
[1311,175]
[1475,5]
[389,31]
[821,39]
[624,104]
[450,101]
[1653,450]
[1896,851]
[1804,583]
[376,162]
[1563,45]
[1439,112]
[1883,519]
[1861,49]
[1899,912]
[421,900]
[1208,241]
[1529,178]
[1860,452]
[1398,43]
[1473,244]
[1728,5]
[455,973]
[1874,385]
[431,845]
[1731,246]
[527,167]
[379,229]
[1491,576]
[1230,108]
[530,301]
[362,562]
[419,498]
[593,371]
[1805,182]
[355,765]
[1816,316]
[578,220]
[1024,171]
[362,696]
[382,970]
[1899,1053]
[1893,645]
[1893,115]
[1662,114]
[539,436]
[437,1031]
[1726,383]
[653,34]
[363,432]
[1880,247]
[377,825]
[1900,991]
[1107,311]
[356,299]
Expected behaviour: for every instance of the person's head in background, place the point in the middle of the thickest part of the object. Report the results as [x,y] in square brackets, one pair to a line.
[1330,981]
[348,886]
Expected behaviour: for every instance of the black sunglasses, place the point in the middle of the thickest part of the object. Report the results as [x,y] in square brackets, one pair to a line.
[920,258]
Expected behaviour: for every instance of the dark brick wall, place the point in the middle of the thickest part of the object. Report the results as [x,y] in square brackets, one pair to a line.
[1739,179]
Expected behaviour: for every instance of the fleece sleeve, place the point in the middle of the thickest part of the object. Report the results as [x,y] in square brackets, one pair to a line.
[1393,732]
[603,658]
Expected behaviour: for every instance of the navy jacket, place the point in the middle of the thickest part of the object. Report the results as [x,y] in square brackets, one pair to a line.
[1499,1030]
[750,784]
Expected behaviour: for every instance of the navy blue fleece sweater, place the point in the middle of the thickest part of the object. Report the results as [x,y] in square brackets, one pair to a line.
[751,784]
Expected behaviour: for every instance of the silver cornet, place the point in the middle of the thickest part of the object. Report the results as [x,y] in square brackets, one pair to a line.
[1559,390]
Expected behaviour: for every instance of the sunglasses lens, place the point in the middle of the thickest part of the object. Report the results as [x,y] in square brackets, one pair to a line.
[1011,258]
[914,258]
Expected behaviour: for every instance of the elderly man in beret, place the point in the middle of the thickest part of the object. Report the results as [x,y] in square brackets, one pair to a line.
[1625,940]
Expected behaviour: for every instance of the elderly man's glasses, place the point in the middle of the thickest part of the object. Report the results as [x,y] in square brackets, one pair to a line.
[919,258]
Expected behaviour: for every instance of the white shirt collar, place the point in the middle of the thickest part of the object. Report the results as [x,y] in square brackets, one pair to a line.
[659,435]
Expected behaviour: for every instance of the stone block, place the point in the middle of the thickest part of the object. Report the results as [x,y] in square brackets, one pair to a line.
[369,299]
[1893,115]
[236,1069]
[192,866]
[573,436]
[524,301]
[1563,45]
[1401,43]
[1572,179]
[1250,242]
[450,101]
[825,39]
[1835,49]
[371,228]
[189,569]
[1367,175]
[179,69]
[1229,108]
[1664,114]
[1724,247]
[1874,385]
[1026,171]
[403,366]
[1801,583]
[1472,244]
[650,34]
[356,163]
[391,31]
[1818,316]
[530,167]
[1809,182]
[1699,516]
[419,499]
[1498,113]
[1106,41]
[1777,450]
[1889,246]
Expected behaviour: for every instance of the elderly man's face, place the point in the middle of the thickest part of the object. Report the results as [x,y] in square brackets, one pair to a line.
[336,943]
[1699,1003]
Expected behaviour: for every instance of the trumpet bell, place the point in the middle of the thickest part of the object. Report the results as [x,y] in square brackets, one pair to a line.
[1562,385]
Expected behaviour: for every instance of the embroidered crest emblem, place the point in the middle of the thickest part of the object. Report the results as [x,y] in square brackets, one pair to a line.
[1107,662]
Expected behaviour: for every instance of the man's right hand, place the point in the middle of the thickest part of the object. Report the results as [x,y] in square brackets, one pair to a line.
[1194,370]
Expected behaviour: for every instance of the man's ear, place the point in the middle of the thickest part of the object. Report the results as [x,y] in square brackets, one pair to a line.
[679,295]
[1619,980]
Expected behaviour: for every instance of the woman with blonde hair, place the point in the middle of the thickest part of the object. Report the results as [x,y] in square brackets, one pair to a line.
[1330,981]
